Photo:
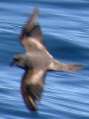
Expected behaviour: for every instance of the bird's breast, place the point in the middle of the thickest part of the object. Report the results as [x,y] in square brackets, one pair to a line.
[39,59]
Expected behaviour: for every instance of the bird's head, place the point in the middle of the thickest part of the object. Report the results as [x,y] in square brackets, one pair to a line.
[20,61]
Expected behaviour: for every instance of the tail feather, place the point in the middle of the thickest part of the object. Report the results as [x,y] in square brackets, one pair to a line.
[57,66]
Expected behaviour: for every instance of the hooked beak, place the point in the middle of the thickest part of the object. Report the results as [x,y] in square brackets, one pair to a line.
[12,62]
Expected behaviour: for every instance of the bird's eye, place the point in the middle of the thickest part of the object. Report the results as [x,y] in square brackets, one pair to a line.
[16,59]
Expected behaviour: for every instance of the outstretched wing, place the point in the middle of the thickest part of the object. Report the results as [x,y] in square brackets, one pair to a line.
[32,28]
[32,87]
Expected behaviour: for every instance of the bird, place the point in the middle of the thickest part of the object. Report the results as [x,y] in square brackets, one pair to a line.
[36,61]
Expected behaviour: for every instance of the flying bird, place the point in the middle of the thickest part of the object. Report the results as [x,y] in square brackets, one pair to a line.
[36,62]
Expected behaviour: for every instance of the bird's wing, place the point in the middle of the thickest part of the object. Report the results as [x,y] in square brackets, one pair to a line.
[32,29]
[32,87]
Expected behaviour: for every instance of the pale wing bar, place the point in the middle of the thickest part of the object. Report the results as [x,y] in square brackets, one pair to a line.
[32,28]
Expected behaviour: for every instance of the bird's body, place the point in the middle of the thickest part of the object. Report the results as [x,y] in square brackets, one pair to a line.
[36,61]
[37,54]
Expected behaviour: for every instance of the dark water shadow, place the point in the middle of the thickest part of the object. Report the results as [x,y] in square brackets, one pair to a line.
[63,49]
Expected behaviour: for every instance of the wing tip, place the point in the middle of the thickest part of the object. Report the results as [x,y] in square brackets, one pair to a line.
[36,11]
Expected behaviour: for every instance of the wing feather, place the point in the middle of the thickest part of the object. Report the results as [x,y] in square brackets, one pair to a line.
[32,28]
[32,87]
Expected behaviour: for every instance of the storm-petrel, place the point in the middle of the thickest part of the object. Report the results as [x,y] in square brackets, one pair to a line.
[36,61]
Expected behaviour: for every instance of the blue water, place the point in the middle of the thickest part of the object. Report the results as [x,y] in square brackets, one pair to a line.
[65,26]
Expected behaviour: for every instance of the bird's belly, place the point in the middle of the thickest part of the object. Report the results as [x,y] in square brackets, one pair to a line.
[40,60]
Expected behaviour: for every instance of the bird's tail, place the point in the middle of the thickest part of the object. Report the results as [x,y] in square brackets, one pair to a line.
[57,66]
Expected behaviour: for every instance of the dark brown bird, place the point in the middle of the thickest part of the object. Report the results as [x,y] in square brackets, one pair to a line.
[36,61]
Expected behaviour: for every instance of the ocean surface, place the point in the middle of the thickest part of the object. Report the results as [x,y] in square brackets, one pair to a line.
[65,26]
